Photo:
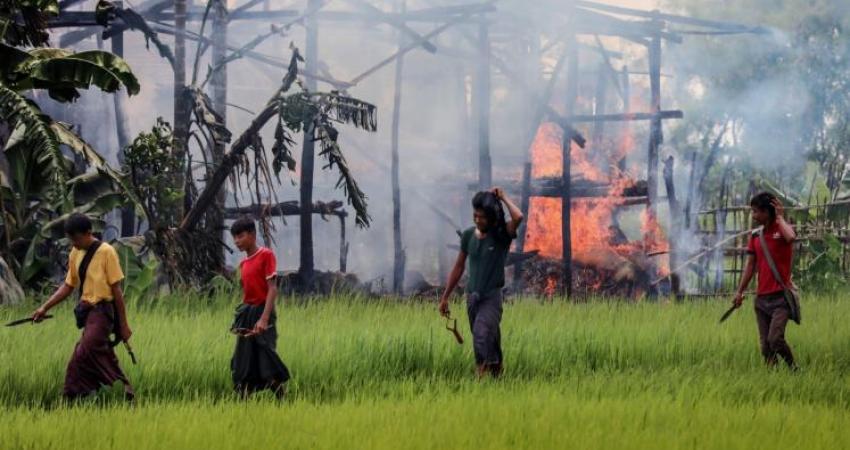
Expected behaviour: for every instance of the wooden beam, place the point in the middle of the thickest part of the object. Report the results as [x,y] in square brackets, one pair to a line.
[626,117]
[590,22]
[673,18]
[434,33]
[395,22]
[288,208]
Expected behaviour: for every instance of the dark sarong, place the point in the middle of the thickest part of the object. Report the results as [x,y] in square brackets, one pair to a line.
[256,364]
[485,316]
[772,315]
[94,363]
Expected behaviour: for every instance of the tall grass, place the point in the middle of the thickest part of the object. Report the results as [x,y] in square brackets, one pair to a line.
[374,374]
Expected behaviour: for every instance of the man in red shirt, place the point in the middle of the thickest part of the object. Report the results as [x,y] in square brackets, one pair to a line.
[256,365]
[772,311]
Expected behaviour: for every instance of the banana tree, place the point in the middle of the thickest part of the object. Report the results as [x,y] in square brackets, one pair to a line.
[39,184]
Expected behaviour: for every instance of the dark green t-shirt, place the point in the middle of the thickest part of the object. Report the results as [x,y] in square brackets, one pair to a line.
[486,259]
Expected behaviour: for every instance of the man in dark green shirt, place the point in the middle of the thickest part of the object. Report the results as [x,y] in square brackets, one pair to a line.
[486,247]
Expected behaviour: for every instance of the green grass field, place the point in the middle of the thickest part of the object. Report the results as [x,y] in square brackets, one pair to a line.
[387,375]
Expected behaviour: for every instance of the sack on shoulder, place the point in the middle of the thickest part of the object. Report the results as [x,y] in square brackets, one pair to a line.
[792,299]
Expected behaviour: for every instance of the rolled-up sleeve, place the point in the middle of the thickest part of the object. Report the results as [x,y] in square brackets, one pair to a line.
[270,265]
[72,278]
[114,274]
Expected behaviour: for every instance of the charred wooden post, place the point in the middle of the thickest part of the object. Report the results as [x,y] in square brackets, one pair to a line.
[675,224]
[128,214]
[525,200]
[566,167]
[627,108]
[214,221]
[482,106]
[541,106]
[689,220]
[398,251]
[308,154]
[343,245]
[599,99]
[655,136]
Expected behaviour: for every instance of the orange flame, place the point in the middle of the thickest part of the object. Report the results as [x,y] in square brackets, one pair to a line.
[595,239]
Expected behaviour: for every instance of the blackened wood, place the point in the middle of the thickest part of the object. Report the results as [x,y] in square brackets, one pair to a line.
[566,194]
[675,224]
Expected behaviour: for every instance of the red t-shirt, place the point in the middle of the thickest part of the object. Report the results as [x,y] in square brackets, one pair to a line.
[257,270]
[782,253]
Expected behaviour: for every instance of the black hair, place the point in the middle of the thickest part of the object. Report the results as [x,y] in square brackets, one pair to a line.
[242,225]
[77,224]
[491,206]
[763,201]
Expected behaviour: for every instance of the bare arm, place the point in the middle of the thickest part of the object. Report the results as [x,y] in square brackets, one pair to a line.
[62,292]
[263,324]
[513,210]
[749,271]
[454,279]
[785,229]
[121,305]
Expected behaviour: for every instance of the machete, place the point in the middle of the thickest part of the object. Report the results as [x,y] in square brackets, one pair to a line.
[15,323]
[130,351]
[728,313]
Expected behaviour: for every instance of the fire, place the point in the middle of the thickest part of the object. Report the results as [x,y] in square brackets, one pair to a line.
[597,240]
[551,284]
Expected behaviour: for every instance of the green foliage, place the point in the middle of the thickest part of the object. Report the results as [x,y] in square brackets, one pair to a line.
[62,72]
[140,272]
[24,22]
[821,270]
[784,94]
[151,164]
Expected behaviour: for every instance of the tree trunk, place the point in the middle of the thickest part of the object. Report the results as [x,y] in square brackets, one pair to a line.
[181,108]
[11,291]
[230,159]
[308,155]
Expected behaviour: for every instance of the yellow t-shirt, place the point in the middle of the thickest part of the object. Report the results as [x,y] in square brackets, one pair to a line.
[104,271]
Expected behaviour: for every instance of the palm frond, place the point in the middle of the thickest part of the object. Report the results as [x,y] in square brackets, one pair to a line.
[206,117]
[327,136]
[349,110]
[27,120]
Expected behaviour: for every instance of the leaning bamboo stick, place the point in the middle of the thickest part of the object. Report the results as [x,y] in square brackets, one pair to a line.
[701,254]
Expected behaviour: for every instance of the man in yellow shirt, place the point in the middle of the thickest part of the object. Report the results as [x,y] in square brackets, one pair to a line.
[95,271]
